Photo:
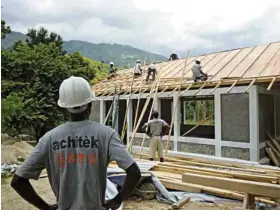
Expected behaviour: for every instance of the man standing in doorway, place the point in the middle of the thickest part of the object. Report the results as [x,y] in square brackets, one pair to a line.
[76,155]
[155,129]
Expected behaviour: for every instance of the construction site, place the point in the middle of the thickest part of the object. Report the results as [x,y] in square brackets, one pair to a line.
[225,129]
[223,148]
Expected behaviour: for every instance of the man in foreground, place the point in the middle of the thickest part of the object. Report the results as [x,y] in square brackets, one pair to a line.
[76,155]
[155,129]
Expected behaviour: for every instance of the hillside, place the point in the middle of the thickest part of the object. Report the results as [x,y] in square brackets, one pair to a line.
[121,55]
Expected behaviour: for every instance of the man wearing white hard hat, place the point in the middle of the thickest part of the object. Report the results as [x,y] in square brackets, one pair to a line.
[137,68]
[173,56]
[112,70]
[76,155]
[151,72]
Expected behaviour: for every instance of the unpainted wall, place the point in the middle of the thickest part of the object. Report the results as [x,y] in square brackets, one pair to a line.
[122,111]
[196,148]
[138,142]
[266,116]
[235,117]
[141,107]
[277,114]
[237,153]
[166,111]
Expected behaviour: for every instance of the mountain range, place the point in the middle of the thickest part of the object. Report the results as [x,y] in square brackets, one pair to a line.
[121,55]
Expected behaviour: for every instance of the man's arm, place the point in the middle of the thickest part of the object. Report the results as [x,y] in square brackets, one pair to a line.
[31,169]
[23,187]
[119,153]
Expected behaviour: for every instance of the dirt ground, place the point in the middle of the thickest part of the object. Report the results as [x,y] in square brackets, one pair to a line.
[12,201]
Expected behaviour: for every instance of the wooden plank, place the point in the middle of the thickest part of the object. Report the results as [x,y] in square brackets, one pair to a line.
[277,154]
[238,58]
[271,83]
[186,187]
[263,60]
[248,61]
[272,156]
[143,112]
[180,187]
[241,175]
[253,82]
[193,163]
[276,144]
[273,66]
[176,104]
[254,188]
[150,114]
[182,170]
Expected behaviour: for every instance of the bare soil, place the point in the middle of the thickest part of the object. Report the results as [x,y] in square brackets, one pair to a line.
[11,153]
[12,201]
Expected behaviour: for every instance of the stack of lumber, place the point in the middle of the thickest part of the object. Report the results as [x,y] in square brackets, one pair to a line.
[170,174]
[273,150]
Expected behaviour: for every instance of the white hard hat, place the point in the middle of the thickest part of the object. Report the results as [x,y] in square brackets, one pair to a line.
[152,66]
[111,63]
[173,52]
[75,92]
[138,61]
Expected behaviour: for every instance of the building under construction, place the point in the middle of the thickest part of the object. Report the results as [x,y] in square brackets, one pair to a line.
[229,115]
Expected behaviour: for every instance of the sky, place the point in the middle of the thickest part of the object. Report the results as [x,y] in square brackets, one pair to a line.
[160,26]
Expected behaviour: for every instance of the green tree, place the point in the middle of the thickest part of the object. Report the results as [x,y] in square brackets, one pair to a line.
[31,75]
[5,29]
[42,36]
[38,70]
[79,66]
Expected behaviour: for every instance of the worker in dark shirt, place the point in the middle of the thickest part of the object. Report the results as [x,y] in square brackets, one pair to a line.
[173,56]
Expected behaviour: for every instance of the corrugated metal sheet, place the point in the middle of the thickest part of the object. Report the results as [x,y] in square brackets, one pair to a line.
[250,62]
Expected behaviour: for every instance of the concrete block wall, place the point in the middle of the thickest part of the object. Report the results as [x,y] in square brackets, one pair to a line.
[236,124]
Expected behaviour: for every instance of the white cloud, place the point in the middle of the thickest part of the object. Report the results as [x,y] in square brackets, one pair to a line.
[153,25]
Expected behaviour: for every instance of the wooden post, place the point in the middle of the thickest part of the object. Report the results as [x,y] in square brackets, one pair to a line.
[127,108]
[144,135]
[218,85]
[142,113]
[271,83]
[138,99]
[253,82]
[175,105]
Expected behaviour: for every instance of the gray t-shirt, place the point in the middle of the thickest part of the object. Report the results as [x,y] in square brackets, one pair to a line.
[196,69]
[76,156]
[155,126]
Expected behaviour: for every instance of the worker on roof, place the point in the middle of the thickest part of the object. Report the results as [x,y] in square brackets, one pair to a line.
[151,72]
[155,129]
[112,70]
[198,74]
[137,68]
[76,155]
[173,56]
